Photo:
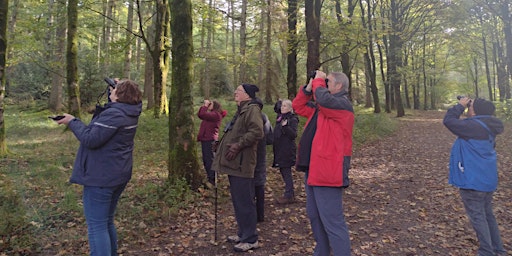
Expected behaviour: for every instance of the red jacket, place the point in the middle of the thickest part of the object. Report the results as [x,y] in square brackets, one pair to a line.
[211,120]
[332,141]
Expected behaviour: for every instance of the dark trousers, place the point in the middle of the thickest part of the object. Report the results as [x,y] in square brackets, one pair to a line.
[286,173]
[206,149]
[260,202]
[242,196]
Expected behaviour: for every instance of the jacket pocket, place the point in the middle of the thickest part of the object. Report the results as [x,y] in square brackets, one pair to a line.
[234,164]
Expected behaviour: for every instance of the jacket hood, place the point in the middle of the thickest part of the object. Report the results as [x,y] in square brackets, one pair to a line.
[494,124]
[128,109]
[258,102]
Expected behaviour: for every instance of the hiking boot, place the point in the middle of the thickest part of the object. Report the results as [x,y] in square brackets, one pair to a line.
[285,200]
[243,247]
[234,239]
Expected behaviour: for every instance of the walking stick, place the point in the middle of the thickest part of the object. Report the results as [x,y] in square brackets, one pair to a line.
[216,181]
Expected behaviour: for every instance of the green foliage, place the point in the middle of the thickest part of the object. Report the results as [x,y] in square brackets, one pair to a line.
[504,110]
[220,83]
[369,126]
[28,81]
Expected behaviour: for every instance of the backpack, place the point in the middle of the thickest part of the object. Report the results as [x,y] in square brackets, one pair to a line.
[268,130]
[473,163]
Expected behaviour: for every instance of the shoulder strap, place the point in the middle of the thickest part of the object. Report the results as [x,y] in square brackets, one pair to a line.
[491,135]
[484,125]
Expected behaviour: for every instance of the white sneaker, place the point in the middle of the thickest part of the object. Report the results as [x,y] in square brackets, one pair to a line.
[234,239]
[243,247]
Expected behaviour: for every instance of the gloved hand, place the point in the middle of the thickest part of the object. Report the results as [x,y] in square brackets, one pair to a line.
[233,150]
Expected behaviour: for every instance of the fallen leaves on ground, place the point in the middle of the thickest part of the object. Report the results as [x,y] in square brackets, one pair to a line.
[399,203]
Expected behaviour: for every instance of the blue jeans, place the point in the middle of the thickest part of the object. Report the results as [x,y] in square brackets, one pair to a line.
[242,196]
[478,206]
[325,211]
[99,207]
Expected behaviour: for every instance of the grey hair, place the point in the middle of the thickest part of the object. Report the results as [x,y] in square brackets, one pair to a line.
[341,78]
[287,103]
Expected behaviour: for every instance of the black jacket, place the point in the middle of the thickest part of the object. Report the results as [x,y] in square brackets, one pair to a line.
[284,140]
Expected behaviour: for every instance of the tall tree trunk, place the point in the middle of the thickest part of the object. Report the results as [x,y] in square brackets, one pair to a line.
[262,50]
[416,86]
[345,24]
[108,6]
[236,69]
[487,69]
[501,69]
[148,37]
[149,78]
[209,39]
[71,60]
[312,12]
[383,63]
[369,57]
[55,100]
[507,30]
[395,62]
[4,8]
[494,41]
[129,39]
[291,75]
[268,55]
[243,43]
[11,28]
[161,57]
[404,77]
[475,76]
[49,39]
[183,161]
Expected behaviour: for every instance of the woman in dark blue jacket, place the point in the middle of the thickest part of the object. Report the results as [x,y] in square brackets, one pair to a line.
[103,165]
[285,132]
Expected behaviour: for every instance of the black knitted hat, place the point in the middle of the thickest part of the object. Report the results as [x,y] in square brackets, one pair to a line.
[483,107]
[251,90]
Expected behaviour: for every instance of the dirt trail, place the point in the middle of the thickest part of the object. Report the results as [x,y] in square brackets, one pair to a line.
[399,203]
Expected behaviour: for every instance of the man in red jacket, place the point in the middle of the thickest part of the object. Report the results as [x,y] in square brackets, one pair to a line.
[324,154]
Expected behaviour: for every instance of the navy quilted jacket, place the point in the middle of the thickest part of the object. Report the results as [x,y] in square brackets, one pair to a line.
[104,158]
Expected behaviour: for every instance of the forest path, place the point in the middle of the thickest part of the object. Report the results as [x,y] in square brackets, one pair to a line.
[399,203]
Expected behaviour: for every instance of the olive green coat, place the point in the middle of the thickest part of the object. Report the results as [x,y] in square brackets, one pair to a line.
[246,131]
